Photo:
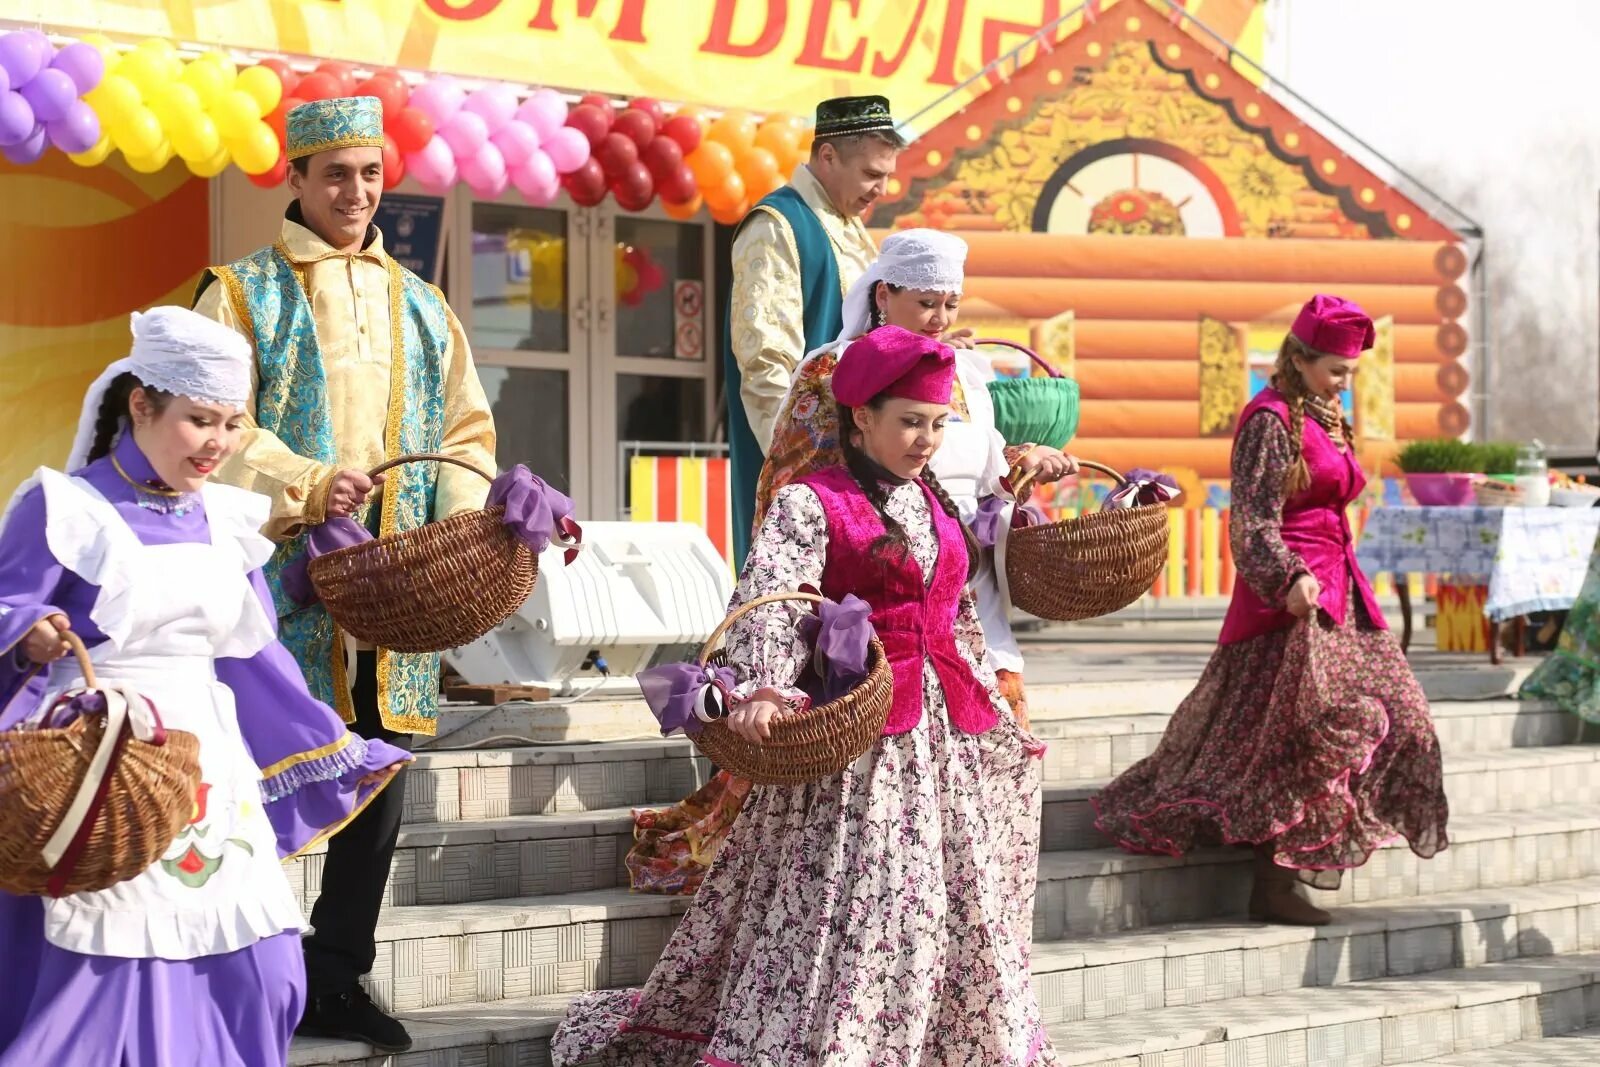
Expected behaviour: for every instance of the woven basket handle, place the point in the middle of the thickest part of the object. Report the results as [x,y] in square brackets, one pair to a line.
[1026,481]
[1025,350]
[81,651]
[744,609]
[428,457]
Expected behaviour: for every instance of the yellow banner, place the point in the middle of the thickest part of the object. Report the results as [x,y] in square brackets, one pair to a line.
[765,55]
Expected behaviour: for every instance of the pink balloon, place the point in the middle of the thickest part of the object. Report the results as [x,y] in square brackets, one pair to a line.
[537,179]
[567,148]
[516,141]
[485,172]
[495,103]
[434,166]
[465,134]
[545,111]
[439,98]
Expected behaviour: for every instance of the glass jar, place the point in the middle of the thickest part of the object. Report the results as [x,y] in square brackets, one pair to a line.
[1533,475]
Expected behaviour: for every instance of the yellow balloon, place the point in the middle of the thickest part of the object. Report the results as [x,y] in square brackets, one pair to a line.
[145,69]
[114,99]
[138,134]
[263,86]
[165,53]
[224,65]
[152,162]
[235,113]
[107,49]
[206,79]
[174,104]
[257,151]
[196,139]
[94,156]
[210,168]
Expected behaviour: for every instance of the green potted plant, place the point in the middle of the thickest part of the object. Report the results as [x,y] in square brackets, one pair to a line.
[1441,472]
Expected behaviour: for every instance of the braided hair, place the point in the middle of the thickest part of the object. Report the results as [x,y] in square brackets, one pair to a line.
[113,413]
[861,468]
[1287,379]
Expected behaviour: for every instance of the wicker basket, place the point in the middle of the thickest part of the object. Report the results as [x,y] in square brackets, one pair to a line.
[1041,411]
[810,744]
[1092,565]
[437,587]
[144,799]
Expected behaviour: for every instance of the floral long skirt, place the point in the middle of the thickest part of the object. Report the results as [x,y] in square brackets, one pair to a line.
[1570,675]
[880,916]
[1317,738]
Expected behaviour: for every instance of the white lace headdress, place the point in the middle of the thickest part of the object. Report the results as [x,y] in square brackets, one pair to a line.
[177,351]
[925,260]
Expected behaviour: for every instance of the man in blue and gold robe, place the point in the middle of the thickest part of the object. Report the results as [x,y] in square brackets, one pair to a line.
[357,361]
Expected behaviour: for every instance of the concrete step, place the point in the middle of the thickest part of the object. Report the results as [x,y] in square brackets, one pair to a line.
[451,786]
[538,945]
[1516,779]
[1578,1049]
[1362,1024]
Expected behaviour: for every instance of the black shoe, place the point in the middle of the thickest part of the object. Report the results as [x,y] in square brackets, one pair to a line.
[352,1016]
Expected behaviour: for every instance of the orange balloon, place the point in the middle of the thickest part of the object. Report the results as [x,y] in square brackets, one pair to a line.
[757,166]
[727,195]
[762,191]
[736,129]
[685,211]
[807,138]
[711,163]
[733,216]
[691,111]
[779,138]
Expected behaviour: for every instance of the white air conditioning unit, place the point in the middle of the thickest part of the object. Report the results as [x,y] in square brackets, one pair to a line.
[638,593]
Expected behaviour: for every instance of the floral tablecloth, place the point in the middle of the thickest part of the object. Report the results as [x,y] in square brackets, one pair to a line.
[1532,559]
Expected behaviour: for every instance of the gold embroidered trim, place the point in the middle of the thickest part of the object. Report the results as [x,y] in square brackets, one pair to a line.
[329,831]
[390,519]
[343,702]
[306,757]
[351,141]
[411,724]
[236,299]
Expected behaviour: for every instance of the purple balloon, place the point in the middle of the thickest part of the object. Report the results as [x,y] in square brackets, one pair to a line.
[29,149]
[536,179]
[81,62]
[5,80]
[438,98]
[567,148]
[76,131]
[19,54]
[516,141]
[495,104]
[50,93]
[545,111]
[465,134]
[16,119]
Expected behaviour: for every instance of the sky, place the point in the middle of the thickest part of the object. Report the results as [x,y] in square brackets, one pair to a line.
[1496,106]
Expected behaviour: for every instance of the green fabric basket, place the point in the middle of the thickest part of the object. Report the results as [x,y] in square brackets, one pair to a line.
[1040,411]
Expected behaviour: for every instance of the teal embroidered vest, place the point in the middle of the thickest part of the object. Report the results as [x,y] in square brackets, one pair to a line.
[824,305]
[267,294]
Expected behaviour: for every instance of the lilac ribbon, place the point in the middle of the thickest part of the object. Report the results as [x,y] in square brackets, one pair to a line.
[840,635]
[1144,487]
[66,712]
[685,696]
[331,536]
[991,512]
[535,512]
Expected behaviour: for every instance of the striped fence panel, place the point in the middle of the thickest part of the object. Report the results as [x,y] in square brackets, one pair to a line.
[693,489]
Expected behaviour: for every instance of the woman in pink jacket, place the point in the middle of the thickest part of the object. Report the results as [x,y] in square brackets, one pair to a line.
[1307,736]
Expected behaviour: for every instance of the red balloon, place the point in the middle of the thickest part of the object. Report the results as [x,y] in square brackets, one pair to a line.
[412,129]
[279,116]
[343,73]
[274,177]
[394,166]
[617,152]
[601,103]
[318,86]
[587,184]
[633,187]
[637,125]
[686,131]
[651,107]
[392,94]
[284,72]
[678,186]
[663,156]
[590,122]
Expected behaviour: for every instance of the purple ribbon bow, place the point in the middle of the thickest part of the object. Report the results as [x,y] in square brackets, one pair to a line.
[840,635]
[686,696]
[986,523]
[336,533]
[1144,487]
[536,513]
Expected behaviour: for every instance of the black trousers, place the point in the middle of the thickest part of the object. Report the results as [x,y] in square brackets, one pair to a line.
[341,948]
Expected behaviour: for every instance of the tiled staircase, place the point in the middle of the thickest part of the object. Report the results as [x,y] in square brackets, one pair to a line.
[508,896]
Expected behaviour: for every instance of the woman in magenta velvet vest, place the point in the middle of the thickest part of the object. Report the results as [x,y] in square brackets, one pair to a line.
[1307,736]
[881,915]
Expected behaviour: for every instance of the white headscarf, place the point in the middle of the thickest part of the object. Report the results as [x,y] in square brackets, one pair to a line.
[177,351]
[925,260]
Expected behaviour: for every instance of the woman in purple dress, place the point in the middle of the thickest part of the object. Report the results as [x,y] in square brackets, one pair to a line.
[1307,736]
[195,962]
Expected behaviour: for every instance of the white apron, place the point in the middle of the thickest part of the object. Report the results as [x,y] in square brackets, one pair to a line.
[168,611]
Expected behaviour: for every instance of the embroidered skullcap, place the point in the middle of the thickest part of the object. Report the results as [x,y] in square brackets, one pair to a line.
[176,351]
[845,115]
[891,361]
[341,122]
[925,260]
[1335,326]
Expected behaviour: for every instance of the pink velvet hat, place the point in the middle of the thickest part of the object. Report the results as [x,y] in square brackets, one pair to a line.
[1334,325]
[895,362]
